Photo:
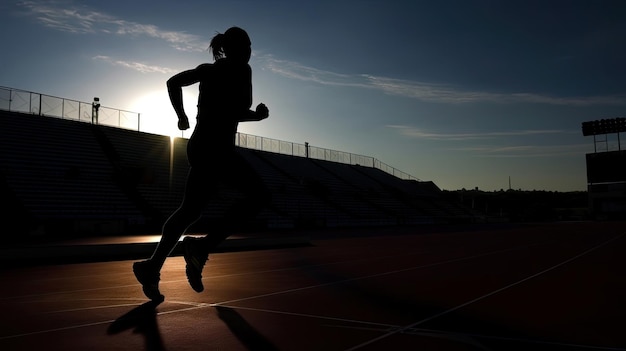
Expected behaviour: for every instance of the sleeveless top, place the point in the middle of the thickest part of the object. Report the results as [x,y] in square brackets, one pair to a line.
[225,97]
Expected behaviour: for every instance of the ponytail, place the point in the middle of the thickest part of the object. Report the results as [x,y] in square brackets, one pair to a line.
[232,38]
[217,46]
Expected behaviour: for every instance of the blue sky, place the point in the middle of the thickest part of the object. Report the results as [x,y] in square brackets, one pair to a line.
[463,93]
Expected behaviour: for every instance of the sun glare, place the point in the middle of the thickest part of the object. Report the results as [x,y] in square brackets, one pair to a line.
[157,113]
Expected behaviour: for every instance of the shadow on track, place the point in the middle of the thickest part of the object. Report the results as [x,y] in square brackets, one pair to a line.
[142,320]
[248,336]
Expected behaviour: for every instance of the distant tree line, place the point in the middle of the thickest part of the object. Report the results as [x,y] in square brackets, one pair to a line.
[524,206]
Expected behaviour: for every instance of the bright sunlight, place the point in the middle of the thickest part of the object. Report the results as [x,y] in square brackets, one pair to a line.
[158,116]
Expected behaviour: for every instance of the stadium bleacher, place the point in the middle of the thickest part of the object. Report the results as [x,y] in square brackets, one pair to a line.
[70,176]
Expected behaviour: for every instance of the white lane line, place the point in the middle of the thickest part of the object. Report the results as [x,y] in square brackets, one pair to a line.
[210,277]
[368,276]
[461,336]
[55,330]
[469,337]
[315,265]
[202,305]
[385,328]
[413,325]
[195,306]
[91,308]
[215,260]
[334,319]
[21,297]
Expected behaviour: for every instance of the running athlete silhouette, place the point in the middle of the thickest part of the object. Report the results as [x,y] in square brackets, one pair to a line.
[224,100]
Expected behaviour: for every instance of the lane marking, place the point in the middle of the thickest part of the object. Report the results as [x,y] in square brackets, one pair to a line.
[467,337]
[204,305]
[222,276]
[55,330]
[195,306]
[187,303]
[368,276]
[209,277]
[38,332]
[91,308]
[413,325]
[335,319]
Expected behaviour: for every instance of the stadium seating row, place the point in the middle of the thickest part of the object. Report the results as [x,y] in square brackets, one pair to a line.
[83,177]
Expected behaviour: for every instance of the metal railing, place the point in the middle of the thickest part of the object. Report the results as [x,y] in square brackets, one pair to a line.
[305,150]
[17,100]
[51,106]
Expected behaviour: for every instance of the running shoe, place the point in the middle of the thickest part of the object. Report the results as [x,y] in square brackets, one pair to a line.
[196,255]
[149,279]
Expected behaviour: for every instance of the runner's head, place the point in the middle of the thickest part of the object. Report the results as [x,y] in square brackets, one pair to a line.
[233,44]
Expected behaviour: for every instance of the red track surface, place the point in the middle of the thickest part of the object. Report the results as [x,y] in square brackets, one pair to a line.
[538,287]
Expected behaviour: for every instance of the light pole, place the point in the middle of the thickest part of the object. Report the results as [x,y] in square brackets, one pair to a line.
[95,106]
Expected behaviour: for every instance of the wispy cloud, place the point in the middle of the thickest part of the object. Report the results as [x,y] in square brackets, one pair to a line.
[424,134]
[526,151]
[424,91]
[82,20]
[298,71]
[137,66]
[449,94]
[499,144]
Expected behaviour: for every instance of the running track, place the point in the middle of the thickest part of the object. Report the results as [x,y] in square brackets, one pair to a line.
[532,287]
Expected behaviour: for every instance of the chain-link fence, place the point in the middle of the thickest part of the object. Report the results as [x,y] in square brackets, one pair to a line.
[45,105]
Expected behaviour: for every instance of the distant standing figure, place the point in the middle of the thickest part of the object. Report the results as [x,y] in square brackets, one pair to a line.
[224,100]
